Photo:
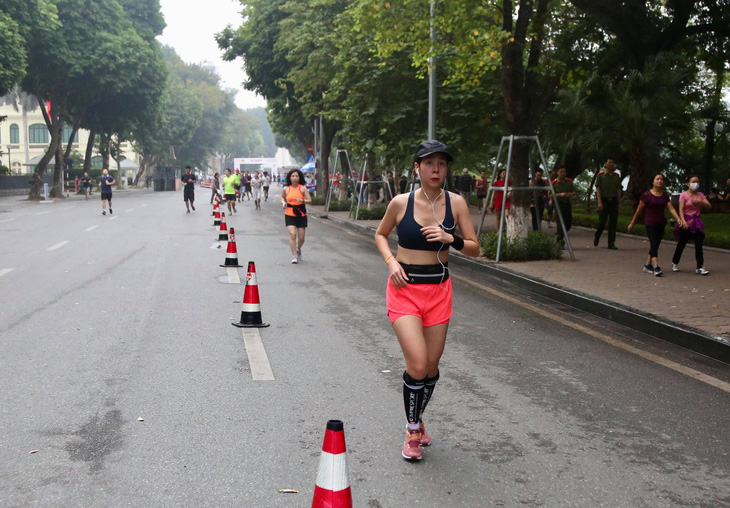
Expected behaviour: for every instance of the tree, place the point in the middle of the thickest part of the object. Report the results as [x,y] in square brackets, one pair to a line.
[12,53]
[63,67]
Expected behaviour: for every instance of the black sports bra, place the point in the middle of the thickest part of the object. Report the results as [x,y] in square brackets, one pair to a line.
[409,231]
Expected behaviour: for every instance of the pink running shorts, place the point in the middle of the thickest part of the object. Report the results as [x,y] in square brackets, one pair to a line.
[430,302]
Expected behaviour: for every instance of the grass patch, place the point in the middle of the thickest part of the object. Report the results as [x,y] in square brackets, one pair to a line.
[536,246]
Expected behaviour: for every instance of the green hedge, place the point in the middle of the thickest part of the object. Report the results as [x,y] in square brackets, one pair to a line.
[715,224]
[374,213]
[536,246]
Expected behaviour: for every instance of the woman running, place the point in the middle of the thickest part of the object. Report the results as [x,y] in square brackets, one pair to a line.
[294,199]
[691,203]
[652,203]
[418,294]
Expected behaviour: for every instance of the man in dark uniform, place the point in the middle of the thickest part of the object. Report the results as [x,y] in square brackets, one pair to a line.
[564,190]
[105,186]
[608,195]
[188,180]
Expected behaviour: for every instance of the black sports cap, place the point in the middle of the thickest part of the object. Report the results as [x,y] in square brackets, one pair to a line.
[432,146]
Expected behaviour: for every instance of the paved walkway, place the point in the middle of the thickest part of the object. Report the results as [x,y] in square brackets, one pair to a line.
[616,276]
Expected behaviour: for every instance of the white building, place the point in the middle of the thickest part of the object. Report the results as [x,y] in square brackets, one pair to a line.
[24,136]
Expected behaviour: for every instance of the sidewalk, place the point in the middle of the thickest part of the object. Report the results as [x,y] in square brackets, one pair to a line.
[614,278]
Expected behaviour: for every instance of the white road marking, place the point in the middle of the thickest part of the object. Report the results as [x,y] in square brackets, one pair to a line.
[233,277]
[115,217]
[5,271]
[58,245]
[7,220]
[92,228]
[257,359]
[144,205]
[131,210]
[699,376]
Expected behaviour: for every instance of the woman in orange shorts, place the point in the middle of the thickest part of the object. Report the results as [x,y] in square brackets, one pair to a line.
[418,295]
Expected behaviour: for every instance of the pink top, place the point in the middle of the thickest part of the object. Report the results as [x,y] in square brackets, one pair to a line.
[690,208]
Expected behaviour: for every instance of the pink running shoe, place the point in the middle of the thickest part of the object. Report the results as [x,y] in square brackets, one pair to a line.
[425,438]
[412,445]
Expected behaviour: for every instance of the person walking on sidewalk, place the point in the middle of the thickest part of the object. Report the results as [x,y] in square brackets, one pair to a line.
[418,294]
[295,198]
[105,186]
[497,196]
[188,181]
[229,190]
[691,203]
[564,191]
[608,195]
[652,204]
[537,204]
[465,185]
[481,187]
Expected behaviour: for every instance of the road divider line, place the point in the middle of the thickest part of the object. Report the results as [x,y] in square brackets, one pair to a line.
[233,277]
[257,359]
[6,271]
[91,228]
[115,217]
[58,245]
[7,220]
[130,210]
[695,374]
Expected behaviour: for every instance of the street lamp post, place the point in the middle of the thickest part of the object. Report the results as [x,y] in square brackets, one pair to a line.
[10,164]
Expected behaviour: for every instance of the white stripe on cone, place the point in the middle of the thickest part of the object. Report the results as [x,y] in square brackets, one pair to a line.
[251,307]
[333,473]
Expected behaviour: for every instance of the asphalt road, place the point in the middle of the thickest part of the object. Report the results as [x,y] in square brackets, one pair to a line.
[124,383]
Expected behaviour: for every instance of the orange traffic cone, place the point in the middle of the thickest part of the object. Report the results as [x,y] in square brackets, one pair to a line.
[215,208]
[217,219]
[231,253]
[251,307]
[223,229]
[332,489]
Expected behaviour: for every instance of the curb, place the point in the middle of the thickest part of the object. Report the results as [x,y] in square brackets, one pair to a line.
[690,338]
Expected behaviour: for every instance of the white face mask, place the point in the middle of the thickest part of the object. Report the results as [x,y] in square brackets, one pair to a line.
[694,186]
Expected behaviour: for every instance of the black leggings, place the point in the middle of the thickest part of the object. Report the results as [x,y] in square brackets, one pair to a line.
[655,234]
[684,237]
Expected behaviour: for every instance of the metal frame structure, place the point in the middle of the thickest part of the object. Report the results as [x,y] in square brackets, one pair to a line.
[506,189]
[351,180]
[361,180]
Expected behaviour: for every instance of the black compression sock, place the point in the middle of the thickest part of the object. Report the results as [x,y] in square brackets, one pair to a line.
[412,397]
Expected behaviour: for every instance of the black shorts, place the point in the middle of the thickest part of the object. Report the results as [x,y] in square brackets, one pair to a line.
[299,222]
[266,187]
[248,187]
[236,186]
[188,194]
[106,196]
[230,197]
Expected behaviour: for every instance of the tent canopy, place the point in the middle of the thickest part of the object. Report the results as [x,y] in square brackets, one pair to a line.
[309,166]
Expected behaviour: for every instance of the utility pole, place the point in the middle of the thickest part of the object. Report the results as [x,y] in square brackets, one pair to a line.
[432,77]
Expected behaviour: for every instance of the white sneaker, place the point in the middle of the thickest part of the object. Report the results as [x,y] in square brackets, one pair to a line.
[702,271]
[675,267]
[294,261]
[648,268]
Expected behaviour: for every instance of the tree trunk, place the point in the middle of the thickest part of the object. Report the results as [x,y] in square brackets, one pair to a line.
[58,173]
[345,179]
[55,127]
[328,130]
[89,151]
[638,179]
